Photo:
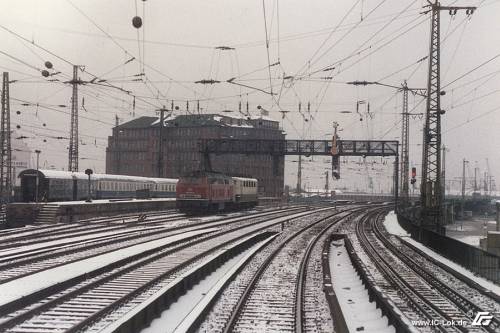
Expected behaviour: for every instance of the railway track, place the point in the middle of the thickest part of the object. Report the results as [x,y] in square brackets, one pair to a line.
[19,265]
[279,296]
[34,235]
[420,294]
[84,228]
[104,296]
[469,299]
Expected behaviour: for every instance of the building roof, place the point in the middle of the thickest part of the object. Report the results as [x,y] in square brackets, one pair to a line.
[142,122]
[200,120]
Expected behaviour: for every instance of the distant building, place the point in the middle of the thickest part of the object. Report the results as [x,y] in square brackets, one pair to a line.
[133,148]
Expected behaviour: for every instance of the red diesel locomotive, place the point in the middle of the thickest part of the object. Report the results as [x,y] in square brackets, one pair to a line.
[211,191]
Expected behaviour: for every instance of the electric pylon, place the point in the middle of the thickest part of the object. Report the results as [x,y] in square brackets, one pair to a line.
[73,135]
[405,149]
[160,140]
[6,151]
[430,188]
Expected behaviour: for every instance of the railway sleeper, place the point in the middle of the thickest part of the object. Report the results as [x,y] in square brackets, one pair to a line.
[145,315]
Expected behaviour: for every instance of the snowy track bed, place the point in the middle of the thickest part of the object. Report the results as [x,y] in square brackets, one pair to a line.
[280,290]
[429,297]
[106,294]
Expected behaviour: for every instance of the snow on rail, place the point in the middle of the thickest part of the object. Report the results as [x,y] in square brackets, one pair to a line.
[72,241]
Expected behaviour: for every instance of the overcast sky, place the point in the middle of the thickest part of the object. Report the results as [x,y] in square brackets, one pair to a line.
[319,45]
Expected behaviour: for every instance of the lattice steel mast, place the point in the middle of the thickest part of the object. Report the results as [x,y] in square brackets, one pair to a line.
[404,170]
[73,135]
[430,188]
[6,152]
[405,148]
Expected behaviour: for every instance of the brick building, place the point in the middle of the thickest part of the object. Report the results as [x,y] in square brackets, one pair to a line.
[134,146]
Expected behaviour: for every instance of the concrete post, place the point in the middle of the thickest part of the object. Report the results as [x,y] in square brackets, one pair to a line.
[452,213]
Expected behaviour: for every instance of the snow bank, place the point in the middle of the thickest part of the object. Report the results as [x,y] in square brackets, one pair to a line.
[392,226]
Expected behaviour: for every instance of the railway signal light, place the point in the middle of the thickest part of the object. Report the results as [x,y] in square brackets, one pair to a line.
[413,175]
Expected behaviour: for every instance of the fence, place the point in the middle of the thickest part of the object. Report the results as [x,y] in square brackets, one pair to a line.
[481,262]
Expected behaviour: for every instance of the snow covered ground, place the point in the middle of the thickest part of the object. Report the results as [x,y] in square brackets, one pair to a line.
[393,227]
[25,286]
[105,201]
[470,231]
[360,314]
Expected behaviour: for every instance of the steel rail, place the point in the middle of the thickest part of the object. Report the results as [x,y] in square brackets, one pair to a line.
[391,276]
[458,299]
[259,273]
[34,310]
[30,260]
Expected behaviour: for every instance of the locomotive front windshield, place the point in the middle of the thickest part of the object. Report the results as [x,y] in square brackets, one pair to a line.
[192,180]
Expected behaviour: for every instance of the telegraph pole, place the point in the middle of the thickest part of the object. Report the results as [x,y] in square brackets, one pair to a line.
[443,170]
[6,151]
[73,135]
[430,189]
[160,143]
[463,186]
[299,176]
[463,178]
[475,178]
[327,187]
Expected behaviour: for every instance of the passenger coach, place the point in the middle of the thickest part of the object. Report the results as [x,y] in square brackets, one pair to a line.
[54,185]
